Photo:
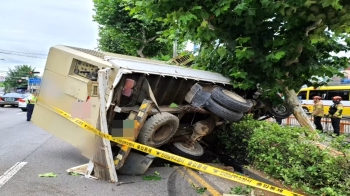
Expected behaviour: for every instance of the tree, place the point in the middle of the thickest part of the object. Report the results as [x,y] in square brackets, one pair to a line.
[121,32]
[14,76]
[279,44]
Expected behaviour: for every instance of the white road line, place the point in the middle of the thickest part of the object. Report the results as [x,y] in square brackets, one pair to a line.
[21,113]
[11,172]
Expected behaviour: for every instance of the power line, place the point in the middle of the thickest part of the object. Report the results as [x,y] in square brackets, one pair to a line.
[22,55]
[10,51]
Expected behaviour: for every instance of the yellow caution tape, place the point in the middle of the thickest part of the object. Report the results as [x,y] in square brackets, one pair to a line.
[180,160]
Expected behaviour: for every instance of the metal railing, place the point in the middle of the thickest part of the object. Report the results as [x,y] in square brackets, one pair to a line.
[326,123]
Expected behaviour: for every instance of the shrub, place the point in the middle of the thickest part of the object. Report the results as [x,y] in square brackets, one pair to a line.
[233,138]
[287,154]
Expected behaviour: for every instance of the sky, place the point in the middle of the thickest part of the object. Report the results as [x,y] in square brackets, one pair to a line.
[36,25]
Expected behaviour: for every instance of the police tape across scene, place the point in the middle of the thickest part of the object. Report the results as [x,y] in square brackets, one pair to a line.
[180,160]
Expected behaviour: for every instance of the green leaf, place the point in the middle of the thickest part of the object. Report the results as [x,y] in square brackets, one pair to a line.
[221,51]
[138,3]
[279,55]
[251,12]
[316,38]
[308,3]
[51,174]
[282,11]
[74,174]
[204,23]
[311,17]
[173,105]
[196,7]
[151,178]
[240,8]
[321,16]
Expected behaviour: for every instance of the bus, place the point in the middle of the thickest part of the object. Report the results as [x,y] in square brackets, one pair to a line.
[326,93]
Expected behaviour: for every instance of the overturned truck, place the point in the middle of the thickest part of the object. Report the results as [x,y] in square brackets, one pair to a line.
[180,105]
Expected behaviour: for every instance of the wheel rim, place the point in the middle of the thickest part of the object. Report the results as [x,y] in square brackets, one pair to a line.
[187,145]
[234,96]
[280,109]
[162,133]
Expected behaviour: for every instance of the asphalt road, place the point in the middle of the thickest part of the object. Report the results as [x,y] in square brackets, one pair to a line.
[22,141]
[40,153]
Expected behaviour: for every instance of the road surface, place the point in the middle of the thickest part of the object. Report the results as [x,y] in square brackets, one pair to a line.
[27,151]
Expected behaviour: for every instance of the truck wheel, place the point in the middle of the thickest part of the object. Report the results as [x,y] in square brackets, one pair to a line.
[193,152]
[306,110]
[158,129]
[222,112]
[231,100]
[281,111]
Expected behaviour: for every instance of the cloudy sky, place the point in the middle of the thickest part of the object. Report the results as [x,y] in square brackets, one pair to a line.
[36,25]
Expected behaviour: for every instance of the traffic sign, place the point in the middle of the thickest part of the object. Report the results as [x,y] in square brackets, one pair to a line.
[34,80]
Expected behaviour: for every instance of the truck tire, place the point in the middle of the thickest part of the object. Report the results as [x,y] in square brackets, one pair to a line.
[231,100]
[222,112]
[180,149]
[281,111]
[158,129]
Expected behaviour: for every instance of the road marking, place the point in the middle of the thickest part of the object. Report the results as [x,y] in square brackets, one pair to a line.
[21,113]
[11,172]
[203,182]
[200,182]
[190,182]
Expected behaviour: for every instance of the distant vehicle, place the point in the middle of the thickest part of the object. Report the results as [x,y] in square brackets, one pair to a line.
[305,95]
[12,99]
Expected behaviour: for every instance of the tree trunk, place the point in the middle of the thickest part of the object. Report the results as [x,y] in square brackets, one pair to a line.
[140,52]
[298,112]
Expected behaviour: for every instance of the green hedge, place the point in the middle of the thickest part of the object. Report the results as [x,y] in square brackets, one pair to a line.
[286,153]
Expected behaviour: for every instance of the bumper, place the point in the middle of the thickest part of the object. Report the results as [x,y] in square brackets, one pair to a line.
[22,105]
[9,103]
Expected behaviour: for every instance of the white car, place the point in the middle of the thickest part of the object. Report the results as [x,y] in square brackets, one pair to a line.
[22,104]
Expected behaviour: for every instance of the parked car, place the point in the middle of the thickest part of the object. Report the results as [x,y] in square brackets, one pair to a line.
[12,99]
[22,104]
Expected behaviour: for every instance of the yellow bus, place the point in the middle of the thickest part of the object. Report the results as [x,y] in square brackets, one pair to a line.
[327,93]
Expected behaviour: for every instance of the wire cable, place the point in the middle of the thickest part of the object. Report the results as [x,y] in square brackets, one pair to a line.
[31,56]
[11,51]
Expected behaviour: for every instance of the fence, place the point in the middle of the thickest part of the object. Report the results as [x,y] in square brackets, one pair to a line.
[326,123]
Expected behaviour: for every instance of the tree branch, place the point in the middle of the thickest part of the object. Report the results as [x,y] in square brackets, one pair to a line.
[300,47]
[135,39]
[140,53]
[312,27]
[144,40]
[152,38]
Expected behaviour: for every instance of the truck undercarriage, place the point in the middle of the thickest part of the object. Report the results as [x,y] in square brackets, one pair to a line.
[181,105]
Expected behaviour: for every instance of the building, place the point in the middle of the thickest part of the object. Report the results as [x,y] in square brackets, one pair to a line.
[2,77]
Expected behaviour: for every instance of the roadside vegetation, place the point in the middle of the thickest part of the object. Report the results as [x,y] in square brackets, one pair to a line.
[14,77]
[281,45]
[287,154]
